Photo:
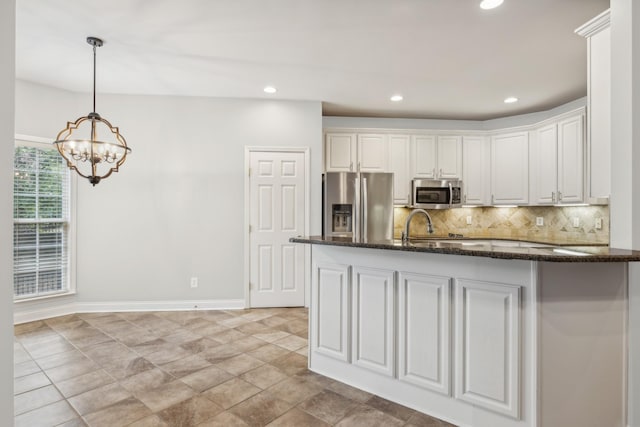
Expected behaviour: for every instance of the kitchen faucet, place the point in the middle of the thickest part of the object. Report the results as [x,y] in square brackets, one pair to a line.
[405,232]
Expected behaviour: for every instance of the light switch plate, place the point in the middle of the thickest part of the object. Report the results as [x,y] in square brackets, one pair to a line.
[576,222]
[598,223]
[539,221]
[468,219]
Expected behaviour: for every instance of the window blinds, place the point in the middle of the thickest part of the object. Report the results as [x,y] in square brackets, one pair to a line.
[41,222]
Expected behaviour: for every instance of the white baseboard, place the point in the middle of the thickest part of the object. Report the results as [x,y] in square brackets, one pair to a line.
[39,313]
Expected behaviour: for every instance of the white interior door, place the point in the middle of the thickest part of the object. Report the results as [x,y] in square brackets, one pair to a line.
[277,212]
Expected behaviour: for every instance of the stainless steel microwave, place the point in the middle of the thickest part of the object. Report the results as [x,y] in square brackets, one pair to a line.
[436,193]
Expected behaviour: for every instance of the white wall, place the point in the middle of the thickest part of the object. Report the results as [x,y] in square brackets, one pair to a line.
[175,210]
[7,67]
[625,174]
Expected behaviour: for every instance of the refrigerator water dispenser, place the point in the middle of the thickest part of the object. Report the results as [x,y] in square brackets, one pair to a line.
[342,217]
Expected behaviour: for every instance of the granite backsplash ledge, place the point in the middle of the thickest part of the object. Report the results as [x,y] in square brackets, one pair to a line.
[514,223]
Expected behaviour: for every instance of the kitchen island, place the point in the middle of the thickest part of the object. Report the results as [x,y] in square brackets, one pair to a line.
[479,333]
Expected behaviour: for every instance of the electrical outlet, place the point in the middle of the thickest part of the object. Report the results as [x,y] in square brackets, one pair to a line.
[539,221]
[468,219]
[576,222]
[194,282]
[598,223]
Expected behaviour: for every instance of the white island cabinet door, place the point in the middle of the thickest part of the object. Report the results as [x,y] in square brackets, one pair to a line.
[487,345]
[330,308]
[373,319]
[424,331]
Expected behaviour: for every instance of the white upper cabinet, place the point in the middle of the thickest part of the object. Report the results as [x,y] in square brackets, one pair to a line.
[340,152]
[423,156]
[351,152]
[557,162]
[449,156]
[544,165]
[436,157]
[475,170]
[598,34]
[510,169]
[372,152]
[571,160]
[399,146]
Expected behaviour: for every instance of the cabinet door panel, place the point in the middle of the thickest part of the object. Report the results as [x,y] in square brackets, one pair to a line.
[510,168]
[372,153]
[424,331]
[423,156]
[330,299]
[475,167]
[449,157]
[373,319]
[544,165]
[571,160]
[399,146]
[340,152]
[487,348]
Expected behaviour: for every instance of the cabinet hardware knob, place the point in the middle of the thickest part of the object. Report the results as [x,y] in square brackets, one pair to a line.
[440,176]
[559,196]
[553,197]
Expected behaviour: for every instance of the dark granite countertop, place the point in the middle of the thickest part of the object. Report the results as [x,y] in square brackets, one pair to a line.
[492,248]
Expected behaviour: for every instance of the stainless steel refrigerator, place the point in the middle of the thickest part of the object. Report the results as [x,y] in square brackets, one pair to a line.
[358,205]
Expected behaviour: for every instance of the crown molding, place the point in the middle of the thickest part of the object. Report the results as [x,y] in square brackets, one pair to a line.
[595,25]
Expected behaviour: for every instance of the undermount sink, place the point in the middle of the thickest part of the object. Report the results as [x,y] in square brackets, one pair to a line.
[488,243]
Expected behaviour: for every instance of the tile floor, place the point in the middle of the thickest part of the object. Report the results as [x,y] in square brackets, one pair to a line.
[195,368]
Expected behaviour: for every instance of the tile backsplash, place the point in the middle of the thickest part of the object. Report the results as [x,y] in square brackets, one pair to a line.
[514,223]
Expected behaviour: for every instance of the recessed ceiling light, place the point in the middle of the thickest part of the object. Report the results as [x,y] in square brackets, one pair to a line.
[397,98]
[490,4]
[270,89]
[510,100]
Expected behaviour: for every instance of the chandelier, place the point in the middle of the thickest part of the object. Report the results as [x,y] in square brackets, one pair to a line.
[78,143]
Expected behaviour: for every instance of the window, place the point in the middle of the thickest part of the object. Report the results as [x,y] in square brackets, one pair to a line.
[41,221]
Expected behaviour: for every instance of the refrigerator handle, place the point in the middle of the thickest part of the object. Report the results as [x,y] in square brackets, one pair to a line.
[365,210]
[356,211]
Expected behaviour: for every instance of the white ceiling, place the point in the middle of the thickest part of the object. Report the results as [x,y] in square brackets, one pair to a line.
[449,58]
